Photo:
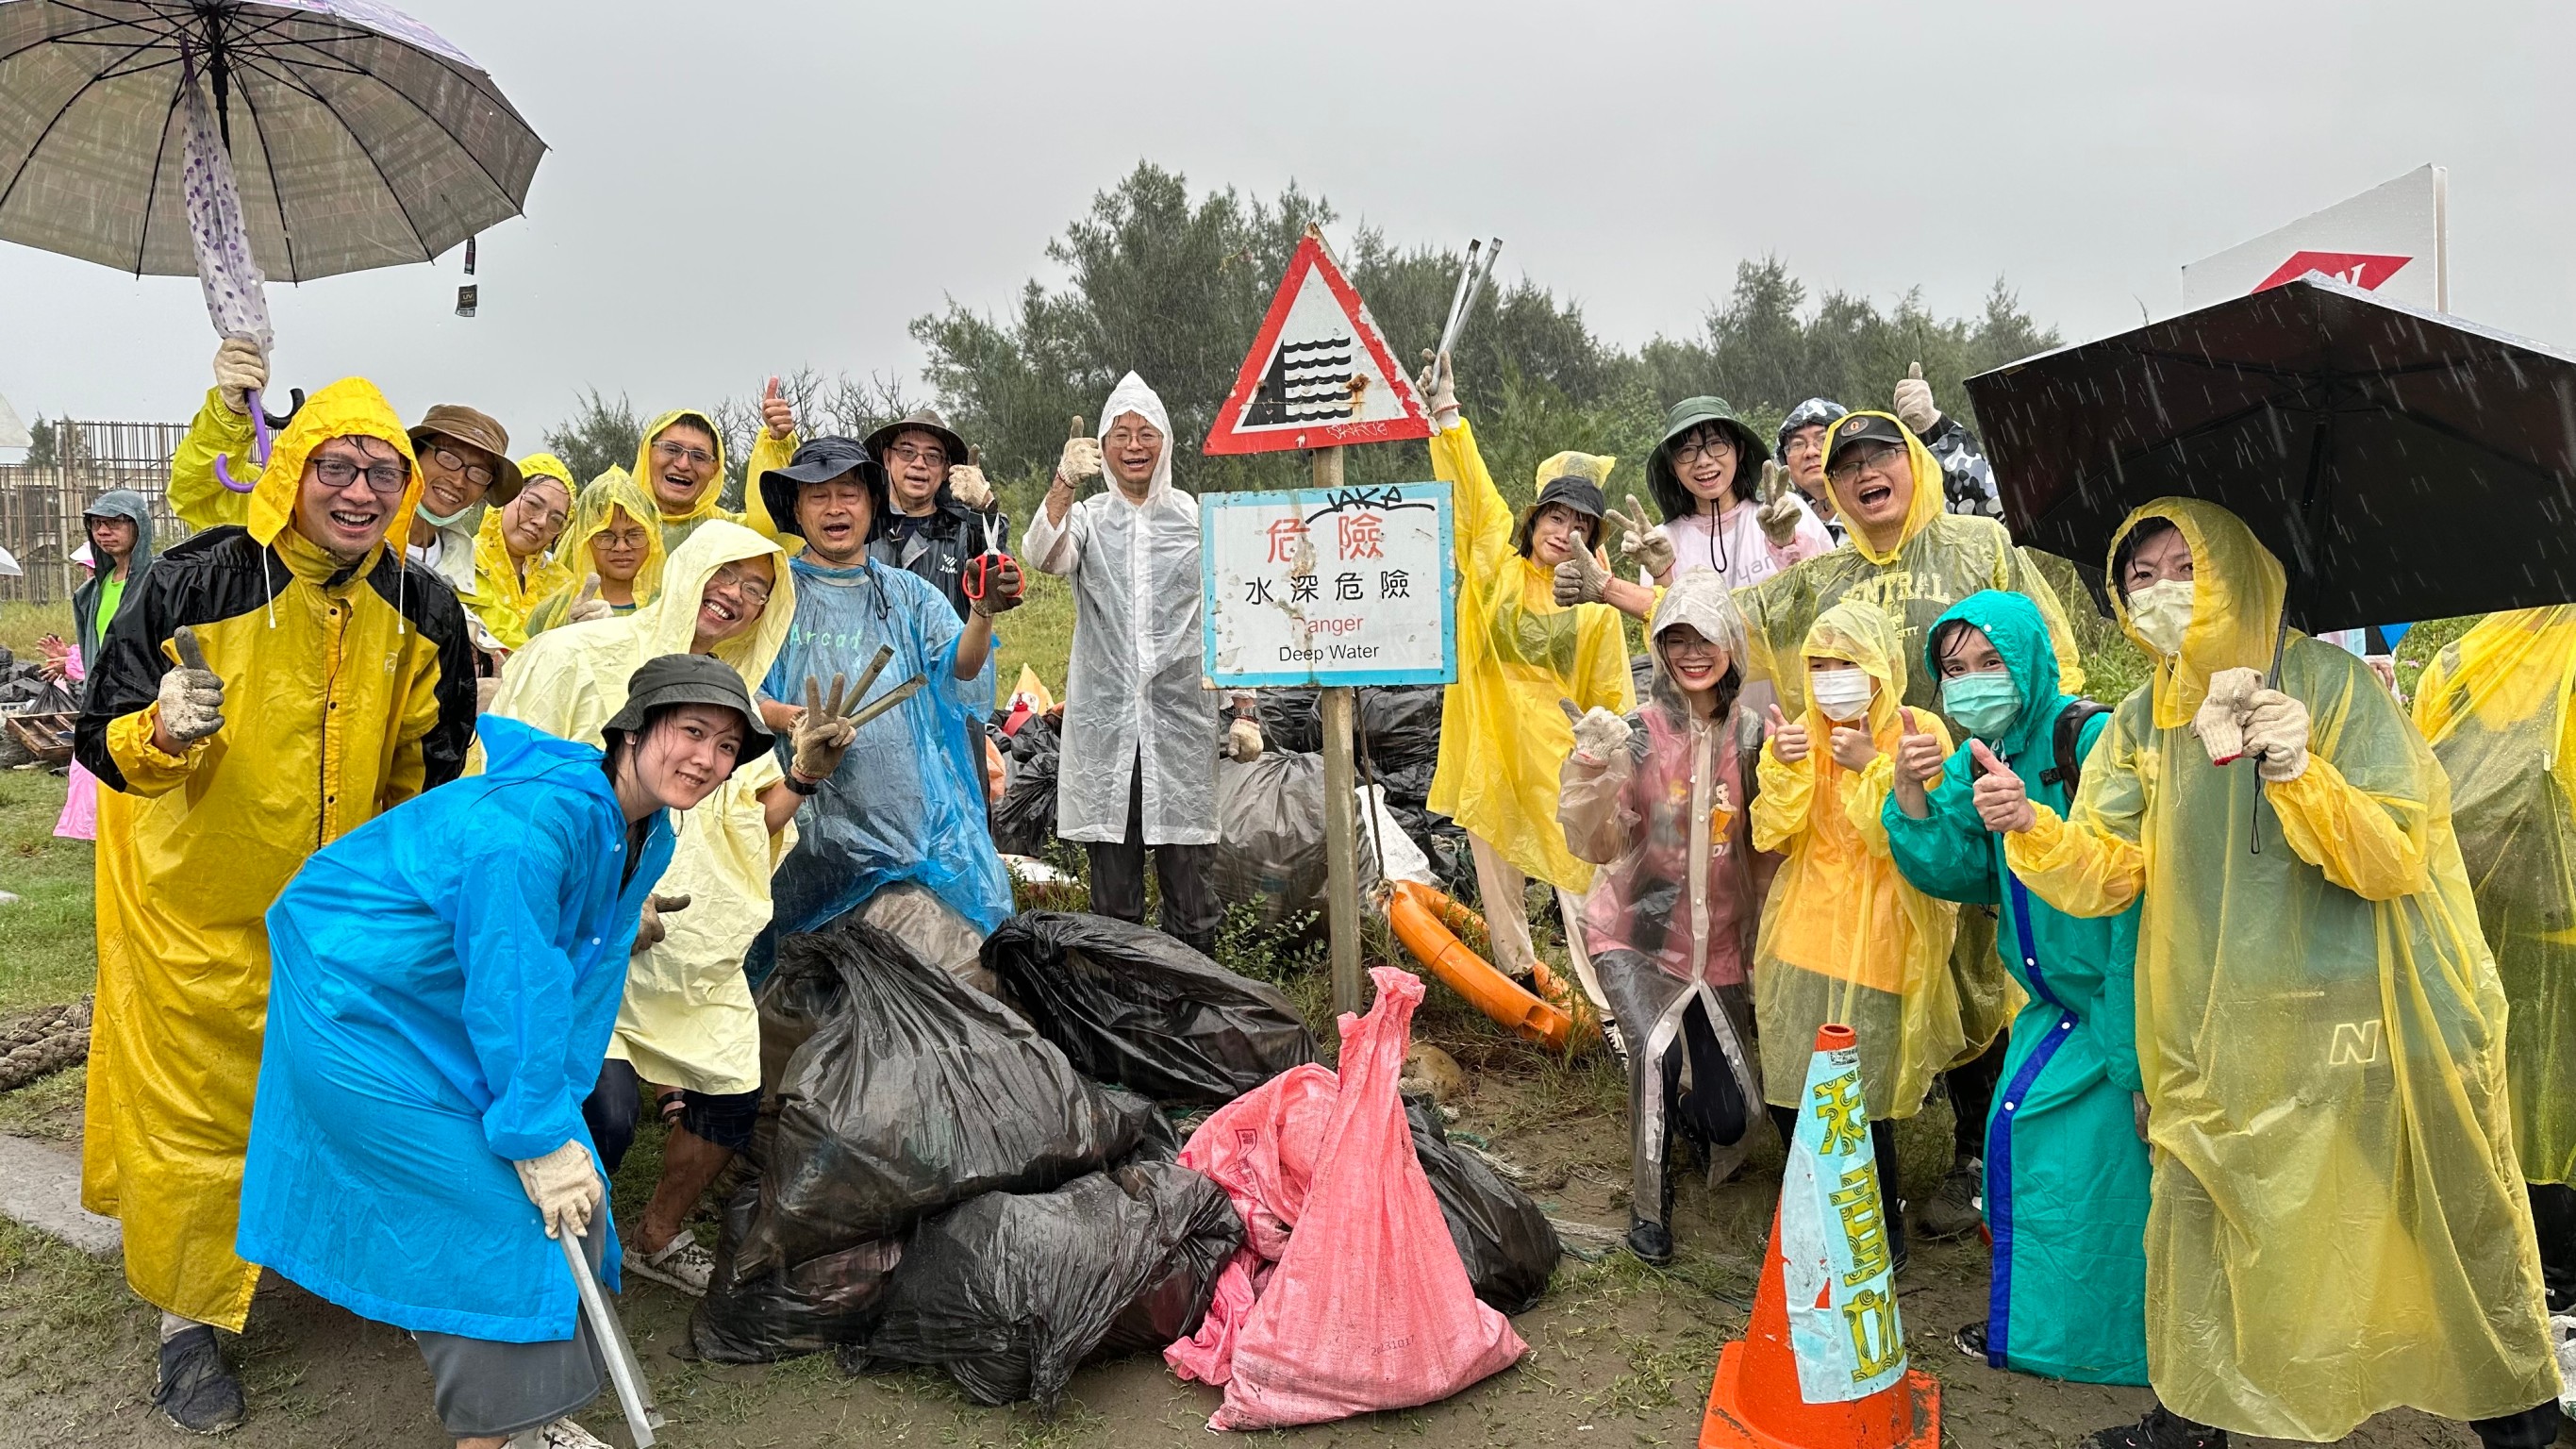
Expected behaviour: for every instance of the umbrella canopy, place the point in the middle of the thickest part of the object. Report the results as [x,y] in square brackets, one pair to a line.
[358,137]
[2402,464]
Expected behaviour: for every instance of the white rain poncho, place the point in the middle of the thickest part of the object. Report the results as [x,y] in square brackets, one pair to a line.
[1132,685]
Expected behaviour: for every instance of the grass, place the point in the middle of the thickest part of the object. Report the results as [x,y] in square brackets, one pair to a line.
[21,625]
[48,948]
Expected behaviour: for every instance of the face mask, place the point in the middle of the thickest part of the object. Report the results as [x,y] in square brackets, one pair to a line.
[421,512]
[1842,694]
[2162,611]
[1985,705]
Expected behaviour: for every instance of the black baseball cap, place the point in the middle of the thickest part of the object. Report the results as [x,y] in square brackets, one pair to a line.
[1863,428]
[691,679]
[820,461]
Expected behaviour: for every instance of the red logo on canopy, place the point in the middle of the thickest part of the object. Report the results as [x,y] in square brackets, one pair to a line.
[2366,270]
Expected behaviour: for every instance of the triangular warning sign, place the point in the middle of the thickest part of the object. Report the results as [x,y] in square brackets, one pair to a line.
[2365,270]
[1319,374]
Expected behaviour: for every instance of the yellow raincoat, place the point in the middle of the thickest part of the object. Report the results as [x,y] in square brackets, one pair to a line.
[609,495]
[348,689]
[1503,736]
[2495,708]
[688,1020]
[766,453]
[502,594]
[1844,937]
[197,497]
[2338,1224]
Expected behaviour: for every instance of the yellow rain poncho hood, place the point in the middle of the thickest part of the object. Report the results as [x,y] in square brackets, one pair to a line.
[1844,938]
[348,688]
[688,1019]
[2339,1225]
[610,494]
[503,596]
[1503,736]
[2495,707]
[710,500]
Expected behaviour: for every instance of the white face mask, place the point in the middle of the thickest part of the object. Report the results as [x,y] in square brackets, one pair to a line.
[1843,694]
[2162,611]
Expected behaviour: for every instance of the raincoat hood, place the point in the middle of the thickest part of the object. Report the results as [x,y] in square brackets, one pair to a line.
[2236,593]
[1131,395]
[547,465]
[1865,635]
[1677,501]
[710,498]
[1813,413]
[670,623]
[1701,599]
[2020,635]
[127,504]
[1928,495]
[608,495]
[1592,468]
[349,408]
[504,595]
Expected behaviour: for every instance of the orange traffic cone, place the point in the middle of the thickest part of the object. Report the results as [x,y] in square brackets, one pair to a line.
[1849,1348]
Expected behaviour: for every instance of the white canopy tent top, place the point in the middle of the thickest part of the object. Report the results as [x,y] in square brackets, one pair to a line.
[13,433]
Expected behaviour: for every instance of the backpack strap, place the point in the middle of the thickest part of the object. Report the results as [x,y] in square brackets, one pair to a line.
[2067,739]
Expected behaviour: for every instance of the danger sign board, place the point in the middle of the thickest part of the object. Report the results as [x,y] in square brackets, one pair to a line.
[1334,587]
[2388,240]
[1320,373]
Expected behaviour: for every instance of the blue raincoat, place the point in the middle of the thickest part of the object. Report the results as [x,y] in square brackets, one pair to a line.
[2066,1176]
[442,985]
[907,803]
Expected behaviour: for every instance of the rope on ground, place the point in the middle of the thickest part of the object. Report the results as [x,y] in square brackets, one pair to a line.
[42,1043]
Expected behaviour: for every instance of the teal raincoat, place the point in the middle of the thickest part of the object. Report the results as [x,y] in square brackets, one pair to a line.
[2066,1176]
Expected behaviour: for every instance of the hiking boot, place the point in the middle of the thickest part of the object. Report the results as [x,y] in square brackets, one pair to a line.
[1952,1212]
[195,1390]
[1651,1242]
[680,1264]
[561,1434]
[2160,1429]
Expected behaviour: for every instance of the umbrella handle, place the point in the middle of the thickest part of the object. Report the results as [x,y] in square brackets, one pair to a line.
[259,448]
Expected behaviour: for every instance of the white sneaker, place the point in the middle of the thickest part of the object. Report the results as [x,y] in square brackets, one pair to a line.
[561,1434]
[681,1263]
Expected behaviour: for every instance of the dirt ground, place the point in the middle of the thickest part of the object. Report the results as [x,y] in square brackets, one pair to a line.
[1620,1354]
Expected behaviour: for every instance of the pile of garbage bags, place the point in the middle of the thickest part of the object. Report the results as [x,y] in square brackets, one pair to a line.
[1397,737]
[1024,818]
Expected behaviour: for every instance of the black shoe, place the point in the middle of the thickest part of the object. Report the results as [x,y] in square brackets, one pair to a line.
[1952,1212]
[2160,1429]
[196,1391]
[1651,1242]
[1971,1340]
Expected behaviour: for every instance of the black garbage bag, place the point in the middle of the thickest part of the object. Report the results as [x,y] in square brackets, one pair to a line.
[917,1093]
[815,1305]
[1024,819]
[1270,837]
[1290,720]
[1133,1006]
[1400,729]
[1505,1240]
[1012,1291]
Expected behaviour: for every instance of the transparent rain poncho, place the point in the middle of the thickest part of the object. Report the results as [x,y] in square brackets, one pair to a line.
[2494,705]
[2338,1226]
[1132,684]
[599,506]
[1844,938]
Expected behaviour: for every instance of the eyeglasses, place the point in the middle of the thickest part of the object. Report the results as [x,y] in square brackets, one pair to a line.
[1859,461]
[1695,647]
[911,453]
[676,452]
[752,590]
[1716,450]
[337,472]
[475,473]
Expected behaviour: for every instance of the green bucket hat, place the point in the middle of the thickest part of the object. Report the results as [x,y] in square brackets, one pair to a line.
[1750,453]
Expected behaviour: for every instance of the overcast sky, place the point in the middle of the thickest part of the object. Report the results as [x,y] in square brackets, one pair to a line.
[735,189]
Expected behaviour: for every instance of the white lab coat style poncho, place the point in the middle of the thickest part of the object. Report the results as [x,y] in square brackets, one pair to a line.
[1132,686]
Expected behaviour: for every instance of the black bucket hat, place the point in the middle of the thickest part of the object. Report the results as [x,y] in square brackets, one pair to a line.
[925,420]
[690,679]
[1686,416]
[820,461]
[1581,495]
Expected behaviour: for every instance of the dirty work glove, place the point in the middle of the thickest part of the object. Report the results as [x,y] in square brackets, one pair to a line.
[1600,735]
[192,696]
[587,605]
[1778,514]
[649,930]
[1243,742]
[1640,542]
[1438,384]
[1914,403]
[1579,580]
[1079,463]
[565,1187]
[239,372]
[967,484]
[2276,730]
[1001,589]
[823,730]
[2220,721]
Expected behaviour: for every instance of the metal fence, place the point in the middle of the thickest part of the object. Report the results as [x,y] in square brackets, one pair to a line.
[41,505]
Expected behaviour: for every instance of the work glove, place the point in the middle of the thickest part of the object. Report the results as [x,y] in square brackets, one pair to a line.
[1080,461]
[2220,721]
[649,930]
[967,484]
[1002,589]
[823,729]
[565,1186]
[192,696]
[1914,403]
[1579,580]
[1640,542]
[1600,735]
[587,605]
[2276,730]
[1243,742]
[1438,385]
[1779,513]
[239,372]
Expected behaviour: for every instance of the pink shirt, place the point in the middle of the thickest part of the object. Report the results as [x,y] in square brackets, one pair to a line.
[1736,546]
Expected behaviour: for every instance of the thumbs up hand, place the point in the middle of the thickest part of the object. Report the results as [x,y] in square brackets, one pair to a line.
[2002,800]
[1853,748]
[191,706]
[1788,741]
[588,605]
[777,414]
[1080,461]
[1914,403]
[1918,753]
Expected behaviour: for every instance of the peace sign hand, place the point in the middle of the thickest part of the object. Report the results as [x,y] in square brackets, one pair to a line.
[1779,513]
[1640,542]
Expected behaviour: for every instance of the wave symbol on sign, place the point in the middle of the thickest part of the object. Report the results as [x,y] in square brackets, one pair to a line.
[1308,382]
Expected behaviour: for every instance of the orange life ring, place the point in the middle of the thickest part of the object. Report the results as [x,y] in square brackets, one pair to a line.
[1425,921]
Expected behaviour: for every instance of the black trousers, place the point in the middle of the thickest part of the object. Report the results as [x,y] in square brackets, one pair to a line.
[1882,1145]
[1190,908]
[2553,1213]
[1972,1096]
